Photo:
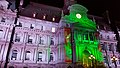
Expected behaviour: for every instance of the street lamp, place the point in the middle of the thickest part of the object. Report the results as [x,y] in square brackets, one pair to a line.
[92,58]
[114,59]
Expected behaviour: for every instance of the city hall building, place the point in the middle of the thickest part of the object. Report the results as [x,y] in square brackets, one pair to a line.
[39,37]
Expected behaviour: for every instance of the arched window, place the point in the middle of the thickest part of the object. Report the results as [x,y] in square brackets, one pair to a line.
[52,41]
[27,55]
[30,39]
[51,57]
[39,56]
[1,34]
[41,41]
[17,37]
[91,37]
[14,55]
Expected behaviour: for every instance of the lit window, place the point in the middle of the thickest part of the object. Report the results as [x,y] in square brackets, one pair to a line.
[53,19]
[39,56]
[53,29]
[27,55]
[14,55]
[34,15]
[44,17]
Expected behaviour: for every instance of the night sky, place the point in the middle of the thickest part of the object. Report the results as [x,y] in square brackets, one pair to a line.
[95,7]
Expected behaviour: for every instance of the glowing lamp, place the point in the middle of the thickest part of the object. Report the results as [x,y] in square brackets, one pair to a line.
[78,16]
[53,19]
[34,14]
[44,17]
[90,58]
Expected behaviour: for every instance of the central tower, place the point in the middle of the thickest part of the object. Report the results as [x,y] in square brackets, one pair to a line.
[82,41]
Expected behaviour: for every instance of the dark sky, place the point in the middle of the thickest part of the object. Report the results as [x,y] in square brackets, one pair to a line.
[95,7]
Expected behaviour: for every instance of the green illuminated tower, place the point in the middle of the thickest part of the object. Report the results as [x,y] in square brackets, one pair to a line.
[85,37]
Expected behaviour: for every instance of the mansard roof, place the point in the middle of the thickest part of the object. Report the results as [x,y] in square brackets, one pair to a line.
[40,10]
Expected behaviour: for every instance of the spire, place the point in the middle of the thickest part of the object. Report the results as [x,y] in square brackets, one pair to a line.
[68,2]
[62,14]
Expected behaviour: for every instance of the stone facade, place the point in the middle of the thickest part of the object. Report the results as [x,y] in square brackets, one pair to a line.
[108,42]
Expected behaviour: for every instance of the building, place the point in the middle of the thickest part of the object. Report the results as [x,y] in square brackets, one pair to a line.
[38,40]
[108,42]
[36,43]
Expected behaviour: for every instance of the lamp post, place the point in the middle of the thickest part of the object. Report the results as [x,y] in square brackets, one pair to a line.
[92,58]
[114,59]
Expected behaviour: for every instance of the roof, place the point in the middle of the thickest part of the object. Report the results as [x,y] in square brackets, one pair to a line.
[42,10]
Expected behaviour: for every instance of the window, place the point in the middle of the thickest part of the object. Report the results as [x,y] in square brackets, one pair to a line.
[85,36]
[119,60]
[108,37]
[11,67]
[101,36]
[51,42]
[25,67]
[19,24]
[104,46]
[27,55]
[29,39]
[17,38]
[91,36]
[14,55]
[53,29]
[3,19]
[31,26]
[41,27]
[51,57]
[105,59]
[1,33]
[111,47]
[41,41]
[39,56]
[114,38]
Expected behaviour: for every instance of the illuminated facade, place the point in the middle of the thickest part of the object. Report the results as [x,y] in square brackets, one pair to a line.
[43,41]
[85,47]
[108,42]
[36,43]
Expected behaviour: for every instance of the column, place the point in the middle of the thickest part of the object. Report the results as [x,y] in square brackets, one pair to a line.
[36,39]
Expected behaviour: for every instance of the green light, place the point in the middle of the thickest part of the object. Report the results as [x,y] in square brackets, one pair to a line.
[78,16]
[86,43]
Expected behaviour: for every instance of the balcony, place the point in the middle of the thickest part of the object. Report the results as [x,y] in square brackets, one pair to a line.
[105,39]
[38,31]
